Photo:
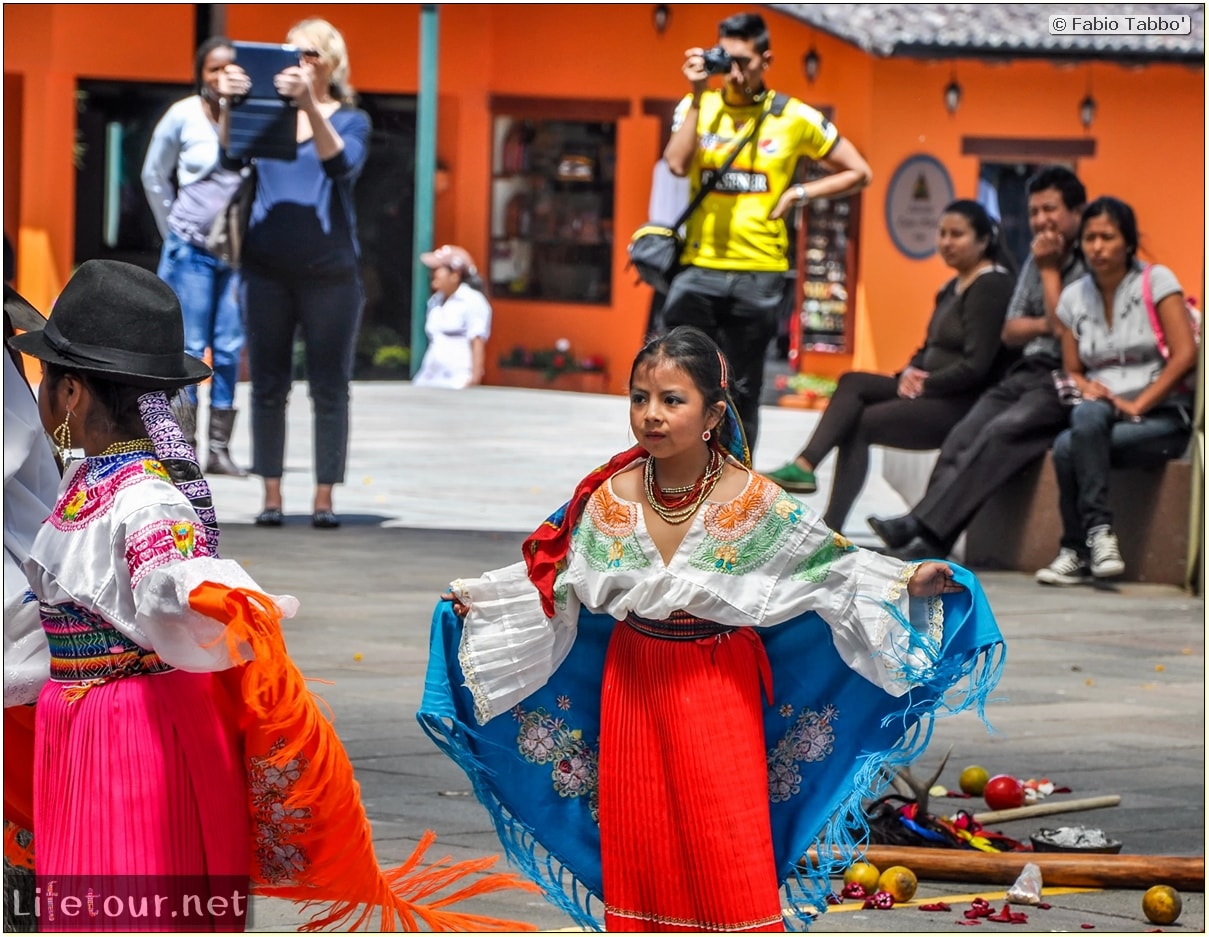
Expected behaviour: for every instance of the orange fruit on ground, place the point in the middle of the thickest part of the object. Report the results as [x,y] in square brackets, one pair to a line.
[864,873]
[974,779]
[1162,904]
[899,881]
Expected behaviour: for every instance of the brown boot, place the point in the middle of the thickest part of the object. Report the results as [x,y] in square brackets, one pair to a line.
[219,461]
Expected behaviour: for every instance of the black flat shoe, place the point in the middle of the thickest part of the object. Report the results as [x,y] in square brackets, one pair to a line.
[269,517]
[895,531]
[325,520]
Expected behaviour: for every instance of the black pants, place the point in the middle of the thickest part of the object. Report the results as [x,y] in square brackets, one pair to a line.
[328,314]
[738,310]
[1011,426]
[864,411]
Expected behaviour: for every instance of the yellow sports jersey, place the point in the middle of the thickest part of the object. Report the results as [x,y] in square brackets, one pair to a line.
[731,229]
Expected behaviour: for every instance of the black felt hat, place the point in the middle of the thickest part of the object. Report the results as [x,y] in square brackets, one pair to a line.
[117,321]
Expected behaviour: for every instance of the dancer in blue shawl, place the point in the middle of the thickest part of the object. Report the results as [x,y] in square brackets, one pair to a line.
[690,680]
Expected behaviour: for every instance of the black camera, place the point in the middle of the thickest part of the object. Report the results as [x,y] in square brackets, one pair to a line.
[717,61]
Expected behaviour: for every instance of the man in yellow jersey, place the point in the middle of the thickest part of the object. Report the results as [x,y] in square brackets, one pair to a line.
[736,243]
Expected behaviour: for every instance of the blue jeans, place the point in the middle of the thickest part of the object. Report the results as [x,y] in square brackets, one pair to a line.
[208,292]
[1098,439]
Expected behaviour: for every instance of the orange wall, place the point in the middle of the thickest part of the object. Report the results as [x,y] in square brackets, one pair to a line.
[1149,132]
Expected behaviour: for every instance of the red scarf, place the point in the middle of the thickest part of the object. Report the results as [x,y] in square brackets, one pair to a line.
[546,548]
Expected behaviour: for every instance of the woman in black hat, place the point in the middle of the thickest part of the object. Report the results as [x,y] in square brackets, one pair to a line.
[176,745]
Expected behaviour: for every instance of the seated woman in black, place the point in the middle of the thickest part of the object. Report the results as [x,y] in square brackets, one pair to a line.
[916,408]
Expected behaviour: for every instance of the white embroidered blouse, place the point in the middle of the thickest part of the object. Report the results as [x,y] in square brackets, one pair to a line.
[122,541]
[758,560]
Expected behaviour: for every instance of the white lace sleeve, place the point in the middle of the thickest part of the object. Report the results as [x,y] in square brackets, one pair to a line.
[889,638]
[877,629]
[509,648]
[182,637]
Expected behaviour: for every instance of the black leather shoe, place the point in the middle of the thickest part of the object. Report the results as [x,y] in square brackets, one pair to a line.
[270,517]
[920,548]
[325,520]
[895,531]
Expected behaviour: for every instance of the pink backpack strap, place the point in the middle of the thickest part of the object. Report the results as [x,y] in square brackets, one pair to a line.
[1155,324]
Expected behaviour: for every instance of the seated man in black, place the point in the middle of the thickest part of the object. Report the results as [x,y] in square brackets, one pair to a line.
[1014,422]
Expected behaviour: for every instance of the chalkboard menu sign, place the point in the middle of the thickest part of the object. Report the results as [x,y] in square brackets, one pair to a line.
[826,232]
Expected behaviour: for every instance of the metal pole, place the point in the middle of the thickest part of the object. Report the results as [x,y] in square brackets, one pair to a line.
[426,166]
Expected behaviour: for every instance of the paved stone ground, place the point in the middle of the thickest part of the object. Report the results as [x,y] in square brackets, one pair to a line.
[1103,690]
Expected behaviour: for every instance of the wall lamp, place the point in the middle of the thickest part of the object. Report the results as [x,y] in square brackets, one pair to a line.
[952,95]
[810,64]
[1087,110]
[661,15]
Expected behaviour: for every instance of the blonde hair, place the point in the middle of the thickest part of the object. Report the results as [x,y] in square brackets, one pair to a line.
[327,39]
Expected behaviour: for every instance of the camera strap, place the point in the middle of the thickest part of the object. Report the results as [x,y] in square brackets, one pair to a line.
[772,102]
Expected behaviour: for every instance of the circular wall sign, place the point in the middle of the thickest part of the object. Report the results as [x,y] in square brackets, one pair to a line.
[919,190]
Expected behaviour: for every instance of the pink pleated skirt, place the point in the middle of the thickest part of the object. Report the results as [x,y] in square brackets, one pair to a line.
[140,798]
[686,838]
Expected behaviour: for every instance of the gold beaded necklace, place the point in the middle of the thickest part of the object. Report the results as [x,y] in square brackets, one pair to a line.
[143,444]
[679,511]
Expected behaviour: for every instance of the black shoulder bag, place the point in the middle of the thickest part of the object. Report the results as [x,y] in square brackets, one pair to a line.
[655,249]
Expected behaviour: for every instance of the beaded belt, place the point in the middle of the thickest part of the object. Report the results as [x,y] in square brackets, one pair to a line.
[86,651]
[679,626]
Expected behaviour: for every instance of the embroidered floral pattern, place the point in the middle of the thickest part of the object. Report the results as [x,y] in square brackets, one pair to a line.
[73,507]
[544,739]
[611,516]
[734,519]
[183,537]
[561,589]
[744,534]
[612,546]
[810,738]
[817,566]
[94,487]
[275,826]
[163,542]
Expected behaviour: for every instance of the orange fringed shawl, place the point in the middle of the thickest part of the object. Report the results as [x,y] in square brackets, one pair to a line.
[311,839]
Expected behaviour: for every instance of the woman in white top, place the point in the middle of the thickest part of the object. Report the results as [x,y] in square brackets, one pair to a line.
[1129,347]
[458,321]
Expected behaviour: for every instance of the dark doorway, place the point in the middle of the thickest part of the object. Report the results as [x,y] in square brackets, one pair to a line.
[114,123]
[385,226]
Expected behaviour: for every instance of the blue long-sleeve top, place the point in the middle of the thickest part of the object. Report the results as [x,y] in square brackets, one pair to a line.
[304,220]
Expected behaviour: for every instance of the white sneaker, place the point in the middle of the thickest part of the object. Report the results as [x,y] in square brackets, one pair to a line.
[1106,559]
[1066,569]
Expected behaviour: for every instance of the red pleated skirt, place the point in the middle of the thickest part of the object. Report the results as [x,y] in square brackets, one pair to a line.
[686,839]
[140,796]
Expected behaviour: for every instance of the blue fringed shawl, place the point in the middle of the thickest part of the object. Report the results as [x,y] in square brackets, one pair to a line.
[830,736]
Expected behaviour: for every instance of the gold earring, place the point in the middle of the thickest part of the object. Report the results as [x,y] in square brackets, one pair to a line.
[62,438]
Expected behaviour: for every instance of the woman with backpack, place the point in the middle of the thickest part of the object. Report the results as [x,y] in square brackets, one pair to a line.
[1130,348]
